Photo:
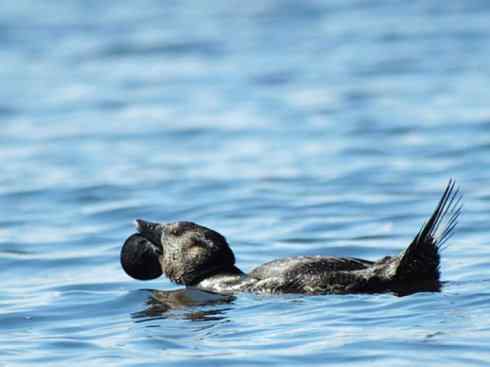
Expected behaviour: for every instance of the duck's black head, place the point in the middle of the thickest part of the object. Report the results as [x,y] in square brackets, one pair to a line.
[188,252]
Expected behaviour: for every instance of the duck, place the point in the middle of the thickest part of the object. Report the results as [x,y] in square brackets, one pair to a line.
[198,257]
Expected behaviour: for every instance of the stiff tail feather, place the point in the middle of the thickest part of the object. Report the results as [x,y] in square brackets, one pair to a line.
[420,261]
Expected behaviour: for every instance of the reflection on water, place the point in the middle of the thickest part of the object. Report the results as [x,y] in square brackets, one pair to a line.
[160,304]
[426,286]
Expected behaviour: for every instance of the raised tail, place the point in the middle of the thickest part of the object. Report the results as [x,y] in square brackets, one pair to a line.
[420,261]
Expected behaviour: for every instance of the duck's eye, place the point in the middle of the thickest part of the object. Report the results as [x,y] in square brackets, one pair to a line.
[179,228]
[196,247]
[176,231]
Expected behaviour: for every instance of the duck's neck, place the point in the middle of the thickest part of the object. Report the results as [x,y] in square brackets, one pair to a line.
[233,270]
[223,281]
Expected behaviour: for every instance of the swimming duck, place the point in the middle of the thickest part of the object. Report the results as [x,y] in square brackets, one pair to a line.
[196,256]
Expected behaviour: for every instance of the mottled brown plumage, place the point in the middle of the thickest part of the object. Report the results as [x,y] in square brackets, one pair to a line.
[197,256]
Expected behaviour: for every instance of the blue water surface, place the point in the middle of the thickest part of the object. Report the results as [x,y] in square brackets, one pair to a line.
[292,127]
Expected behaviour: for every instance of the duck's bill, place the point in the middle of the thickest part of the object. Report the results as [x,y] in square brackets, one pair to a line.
[151,231]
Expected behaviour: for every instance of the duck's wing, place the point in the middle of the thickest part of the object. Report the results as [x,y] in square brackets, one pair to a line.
[290,267]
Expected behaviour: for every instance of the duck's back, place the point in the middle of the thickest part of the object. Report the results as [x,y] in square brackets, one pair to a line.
[307,273]
[303,265]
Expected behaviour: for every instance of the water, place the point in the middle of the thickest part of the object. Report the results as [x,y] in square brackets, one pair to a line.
[293,128]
